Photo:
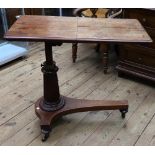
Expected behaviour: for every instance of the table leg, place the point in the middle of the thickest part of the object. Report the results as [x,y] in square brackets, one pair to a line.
[52,105]
[104,49]
[74,51]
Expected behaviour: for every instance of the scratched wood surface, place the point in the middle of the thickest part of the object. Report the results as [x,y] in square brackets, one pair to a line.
[85,79]
[78,29]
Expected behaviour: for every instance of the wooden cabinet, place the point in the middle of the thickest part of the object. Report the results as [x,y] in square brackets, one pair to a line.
[139,59]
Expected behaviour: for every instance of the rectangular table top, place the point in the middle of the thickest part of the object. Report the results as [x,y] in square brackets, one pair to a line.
[76,29]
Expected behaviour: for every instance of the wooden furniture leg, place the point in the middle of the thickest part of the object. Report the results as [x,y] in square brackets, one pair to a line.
[53,105]
[75,47]
[104,52]
[74,51]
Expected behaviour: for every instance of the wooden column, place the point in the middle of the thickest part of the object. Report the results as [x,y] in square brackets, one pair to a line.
[52,99]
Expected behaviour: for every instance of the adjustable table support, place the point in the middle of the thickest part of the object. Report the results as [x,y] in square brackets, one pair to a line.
[53,105]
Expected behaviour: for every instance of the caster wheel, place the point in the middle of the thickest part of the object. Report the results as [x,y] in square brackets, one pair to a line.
[45,135]
[123,112]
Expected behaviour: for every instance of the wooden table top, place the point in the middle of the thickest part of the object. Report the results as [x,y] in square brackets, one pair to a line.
[76,29]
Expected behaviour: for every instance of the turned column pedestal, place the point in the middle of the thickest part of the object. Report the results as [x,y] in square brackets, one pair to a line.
[53,105]
[57,30]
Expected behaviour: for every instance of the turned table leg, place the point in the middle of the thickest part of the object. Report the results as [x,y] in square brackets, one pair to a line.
[105,51]
[74,51]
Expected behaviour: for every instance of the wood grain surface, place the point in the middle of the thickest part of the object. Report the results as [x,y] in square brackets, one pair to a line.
[77,29]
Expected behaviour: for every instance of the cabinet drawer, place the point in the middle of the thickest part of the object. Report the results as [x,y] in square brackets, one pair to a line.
[146,17]
[137,54]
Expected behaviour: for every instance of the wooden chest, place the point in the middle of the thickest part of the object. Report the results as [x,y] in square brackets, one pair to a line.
[139,59]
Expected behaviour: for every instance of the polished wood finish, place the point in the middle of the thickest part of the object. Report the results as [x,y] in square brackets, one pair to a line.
[76,29]
[52,99]
[92,13]
[74,106]
[21,85]
[50,30]
[138,59]
[111,30]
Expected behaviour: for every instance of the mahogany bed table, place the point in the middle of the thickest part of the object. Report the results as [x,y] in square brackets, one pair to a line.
[57,30]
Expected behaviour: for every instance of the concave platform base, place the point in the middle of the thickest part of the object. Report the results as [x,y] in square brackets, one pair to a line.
[73,106]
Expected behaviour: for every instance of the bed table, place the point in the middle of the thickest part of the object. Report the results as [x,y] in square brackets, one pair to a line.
[54,31]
